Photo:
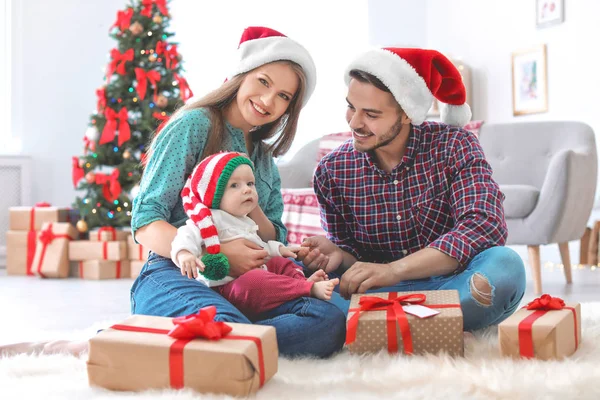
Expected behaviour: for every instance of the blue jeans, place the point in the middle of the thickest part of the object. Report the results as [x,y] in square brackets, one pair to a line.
[305,327]
[500,266]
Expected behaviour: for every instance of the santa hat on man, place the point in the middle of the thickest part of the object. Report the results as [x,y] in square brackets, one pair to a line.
[203,190]
[260,45]
[415,77]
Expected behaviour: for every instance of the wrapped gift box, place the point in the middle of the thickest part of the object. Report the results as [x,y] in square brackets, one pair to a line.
[108,234]
[542,332]
[136,267]
[84,250]
[136,251]
[20,250]
[51,250]
[138,354]
[381,323]
[26,218]
[100,269]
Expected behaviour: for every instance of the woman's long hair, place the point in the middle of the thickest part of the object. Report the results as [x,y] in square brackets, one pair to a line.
[217,101]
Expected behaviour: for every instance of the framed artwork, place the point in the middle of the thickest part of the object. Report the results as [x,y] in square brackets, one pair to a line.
[529,81]
[549,12]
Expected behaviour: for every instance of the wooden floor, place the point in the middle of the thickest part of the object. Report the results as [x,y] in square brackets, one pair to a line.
[32,304]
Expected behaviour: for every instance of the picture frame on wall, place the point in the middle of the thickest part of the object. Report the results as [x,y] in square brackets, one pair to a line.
[530,81]
[549,12]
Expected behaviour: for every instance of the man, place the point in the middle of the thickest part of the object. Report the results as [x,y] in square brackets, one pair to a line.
[410,205]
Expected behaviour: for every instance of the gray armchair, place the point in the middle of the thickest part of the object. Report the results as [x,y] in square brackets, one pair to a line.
[548,171]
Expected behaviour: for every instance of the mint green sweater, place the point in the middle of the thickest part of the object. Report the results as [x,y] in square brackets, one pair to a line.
[178,149]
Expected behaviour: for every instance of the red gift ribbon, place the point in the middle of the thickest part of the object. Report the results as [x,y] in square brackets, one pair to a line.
[118,62]
[32,236]
[395,314]
[108,229]
[47,237]
[541,305]
[111,187]
[193,327]
[142,78]
[113,231]
[147,10]
[114,119]
[184,88]
[123,19]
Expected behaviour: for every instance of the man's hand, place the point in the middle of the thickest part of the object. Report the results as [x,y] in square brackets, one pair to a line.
[189,264]
[318,252]
[243,256]
[363,276]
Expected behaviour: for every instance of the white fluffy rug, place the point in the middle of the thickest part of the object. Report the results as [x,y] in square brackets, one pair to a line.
[482,374]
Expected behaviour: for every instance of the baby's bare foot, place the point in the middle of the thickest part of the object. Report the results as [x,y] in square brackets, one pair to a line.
[323,290]
[318,276]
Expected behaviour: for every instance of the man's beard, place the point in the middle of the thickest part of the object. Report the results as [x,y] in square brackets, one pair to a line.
[385,139]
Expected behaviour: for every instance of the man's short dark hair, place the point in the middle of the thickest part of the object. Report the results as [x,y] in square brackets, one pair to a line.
[366,77]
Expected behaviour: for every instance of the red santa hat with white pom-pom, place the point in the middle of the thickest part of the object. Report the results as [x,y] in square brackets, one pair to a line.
[260,45]
[415,77]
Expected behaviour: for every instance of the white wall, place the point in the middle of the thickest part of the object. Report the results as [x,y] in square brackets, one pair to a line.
[60,51]
[398,23]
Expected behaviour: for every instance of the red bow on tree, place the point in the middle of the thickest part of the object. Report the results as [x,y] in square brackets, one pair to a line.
[112,119]
[184,89]
[88,144]
[546,302]
[142,78]
[111,189]
[77,173]
[160,117]
[200,325]
[147,10]
[123,19]
[118,62]
[101,93]
[171,57]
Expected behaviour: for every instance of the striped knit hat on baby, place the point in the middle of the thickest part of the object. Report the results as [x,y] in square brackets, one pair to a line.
[203,190]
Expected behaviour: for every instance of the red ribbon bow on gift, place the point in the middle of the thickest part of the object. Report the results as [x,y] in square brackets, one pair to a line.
[118,62]
[112,187]
[546,302]
[101,94]
[200,325]
[147,10]
[123,19]
[184,89]
[540,306]
[46,237]
[142,78]
[112,119]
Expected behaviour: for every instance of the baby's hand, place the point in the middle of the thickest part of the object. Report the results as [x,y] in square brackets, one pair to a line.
[189,264]
[288,251]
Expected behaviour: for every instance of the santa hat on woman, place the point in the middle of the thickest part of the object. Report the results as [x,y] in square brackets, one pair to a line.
[203,190]
[415,77]
[260,45]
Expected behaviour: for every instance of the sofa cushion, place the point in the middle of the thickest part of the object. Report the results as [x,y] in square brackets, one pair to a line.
[520,200]
[330,142]
[301,214]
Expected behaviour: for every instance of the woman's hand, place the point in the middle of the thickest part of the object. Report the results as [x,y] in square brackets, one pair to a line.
[243,256]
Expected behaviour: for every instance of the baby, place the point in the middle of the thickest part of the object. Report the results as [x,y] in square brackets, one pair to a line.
[217,197]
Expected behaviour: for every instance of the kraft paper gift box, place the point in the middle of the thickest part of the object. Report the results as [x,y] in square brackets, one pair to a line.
[136,251]
[136,267]
[549,330]
[20,249]
[382,322]
[101,269]
[139,354]
[108,234]
[51,251]
[84,250]
[32,218]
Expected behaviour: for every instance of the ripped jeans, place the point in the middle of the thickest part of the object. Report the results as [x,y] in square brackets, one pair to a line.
[490,287]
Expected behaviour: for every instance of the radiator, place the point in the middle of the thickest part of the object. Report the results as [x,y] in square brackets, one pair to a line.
[15,190]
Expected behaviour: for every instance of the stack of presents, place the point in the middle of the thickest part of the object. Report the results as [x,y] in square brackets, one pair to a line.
[194,351]
[43,241]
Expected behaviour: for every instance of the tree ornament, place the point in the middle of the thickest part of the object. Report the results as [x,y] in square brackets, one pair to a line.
[82,226]
[152,57]
[90,177]
[157,19]
[81,163]
[92,133]
[136,29]
[162,101]
[127,154]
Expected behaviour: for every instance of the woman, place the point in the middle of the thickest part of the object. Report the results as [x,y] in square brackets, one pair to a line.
[262,98]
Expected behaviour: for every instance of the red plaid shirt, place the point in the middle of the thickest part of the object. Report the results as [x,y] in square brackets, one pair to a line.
[441,195]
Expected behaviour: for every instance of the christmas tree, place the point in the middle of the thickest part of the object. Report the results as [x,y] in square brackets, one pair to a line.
[143,86]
